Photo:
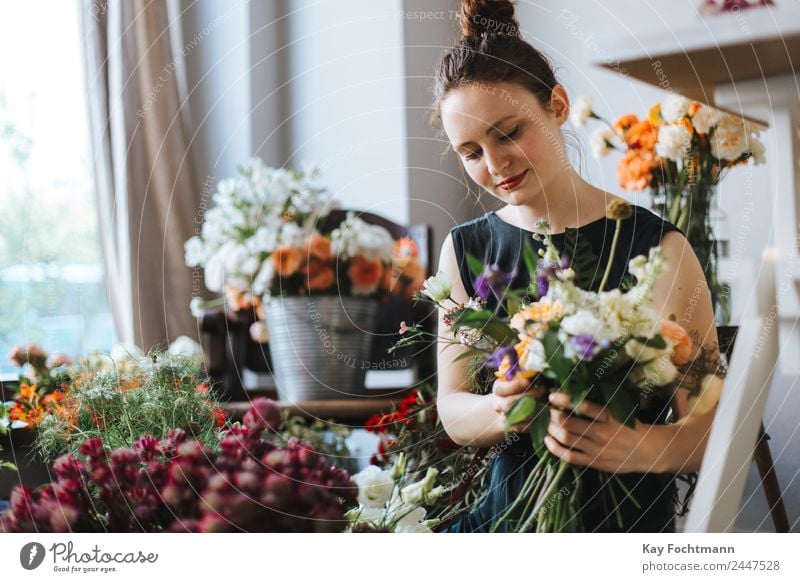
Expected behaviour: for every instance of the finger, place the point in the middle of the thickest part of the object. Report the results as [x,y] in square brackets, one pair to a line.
[573,457]
[501,388]
[569,439]
[585,408]
[575,425]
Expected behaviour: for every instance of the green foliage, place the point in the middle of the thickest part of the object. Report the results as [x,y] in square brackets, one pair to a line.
[122,404]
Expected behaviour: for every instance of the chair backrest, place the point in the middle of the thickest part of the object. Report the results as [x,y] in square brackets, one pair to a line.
[736,426]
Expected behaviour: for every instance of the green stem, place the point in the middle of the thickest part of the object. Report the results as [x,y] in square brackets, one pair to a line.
[529,485]
[611,256]
[552,486]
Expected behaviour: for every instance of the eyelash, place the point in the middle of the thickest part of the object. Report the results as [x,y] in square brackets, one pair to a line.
[506,137]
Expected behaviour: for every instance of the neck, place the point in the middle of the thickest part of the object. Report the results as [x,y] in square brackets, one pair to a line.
[571,203]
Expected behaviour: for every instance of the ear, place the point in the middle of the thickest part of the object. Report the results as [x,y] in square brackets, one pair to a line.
[559,104]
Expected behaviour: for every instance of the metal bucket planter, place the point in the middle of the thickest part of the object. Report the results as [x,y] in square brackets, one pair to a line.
[320,345]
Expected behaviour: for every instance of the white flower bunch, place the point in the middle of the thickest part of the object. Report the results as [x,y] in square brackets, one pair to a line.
[387,503]
[354,237]
[252,215]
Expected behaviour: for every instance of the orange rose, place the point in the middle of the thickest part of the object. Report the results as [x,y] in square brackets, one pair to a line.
[365,275]
[682,343]
[635,170]
[319,247]
[642,134]
[287,260]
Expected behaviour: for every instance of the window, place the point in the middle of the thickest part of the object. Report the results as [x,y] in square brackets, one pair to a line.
[52,291]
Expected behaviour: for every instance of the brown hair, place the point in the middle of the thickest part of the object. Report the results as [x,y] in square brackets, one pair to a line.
[491,50]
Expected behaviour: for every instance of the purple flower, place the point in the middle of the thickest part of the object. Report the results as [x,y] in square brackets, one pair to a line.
[498,357]
[492,280]
[587,347]
[546,271]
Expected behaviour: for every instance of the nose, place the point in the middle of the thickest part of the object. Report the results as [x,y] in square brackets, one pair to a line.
[497,162]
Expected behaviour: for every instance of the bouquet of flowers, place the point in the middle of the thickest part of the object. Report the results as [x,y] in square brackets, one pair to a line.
[608,347]
[261,239]
[680,151]
[242,483]
[390,501]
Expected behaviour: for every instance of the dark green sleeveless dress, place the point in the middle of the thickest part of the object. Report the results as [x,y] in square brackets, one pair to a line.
[494,241]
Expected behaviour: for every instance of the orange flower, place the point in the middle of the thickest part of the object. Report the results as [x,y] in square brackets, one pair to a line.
[365,275]
[694,108]
[635,170]
[685,122]
[624,123]
[642,134]
[682,343]
[287,260]
[321,278]
[319,247]
[28,392]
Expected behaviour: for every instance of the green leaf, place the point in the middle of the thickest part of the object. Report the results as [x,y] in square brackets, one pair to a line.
[538,430]
[522,410]
[656,342]
[487,323]
[582,259]
[471,353]
[531,259]
[476,267]
[554,356]
[619,403]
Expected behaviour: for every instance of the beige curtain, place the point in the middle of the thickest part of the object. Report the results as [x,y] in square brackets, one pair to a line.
[145,184]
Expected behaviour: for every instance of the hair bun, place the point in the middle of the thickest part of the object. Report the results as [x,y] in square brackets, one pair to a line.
[480,17]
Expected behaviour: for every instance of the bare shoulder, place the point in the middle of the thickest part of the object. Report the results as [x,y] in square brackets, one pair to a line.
[448,264]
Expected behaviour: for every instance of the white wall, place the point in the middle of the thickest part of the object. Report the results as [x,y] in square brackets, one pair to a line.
[347,99]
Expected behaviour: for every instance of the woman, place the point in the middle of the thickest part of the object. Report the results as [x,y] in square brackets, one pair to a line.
[502,110]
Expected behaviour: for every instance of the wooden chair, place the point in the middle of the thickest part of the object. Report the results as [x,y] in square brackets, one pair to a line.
[229,350]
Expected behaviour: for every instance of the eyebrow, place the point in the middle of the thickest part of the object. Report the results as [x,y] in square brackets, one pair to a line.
[492,127]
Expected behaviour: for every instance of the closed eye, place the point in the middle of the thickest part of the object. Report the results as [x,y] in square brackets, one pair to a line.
[504,137]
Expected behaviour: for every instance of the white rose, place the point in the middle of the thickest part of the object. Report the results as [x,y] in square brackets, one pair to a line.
[374,243]
[729,140]
[674,107]
[673,142]
[705,118]
[374,486]
[194,252]
[582,322]
[657,372]
[710,392]
[409,519]
[581,111]
[601,141]
[437,288]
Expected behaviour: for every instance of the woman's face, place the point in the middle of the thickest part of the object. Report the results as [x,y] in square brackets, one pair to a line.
[508,142]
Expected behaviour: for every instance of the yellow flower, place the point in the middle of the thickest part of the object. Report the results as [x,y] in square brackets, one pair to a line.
[542,311]
[654,115]
[619,209]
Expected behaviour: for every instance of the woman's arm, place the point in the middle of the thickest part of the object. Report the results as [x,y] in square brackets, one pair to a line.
[608,445]
[470,419]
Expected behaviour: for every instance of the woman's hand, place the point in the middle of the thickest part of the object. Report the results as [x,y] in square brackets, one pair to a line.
[505,393]
[599,440]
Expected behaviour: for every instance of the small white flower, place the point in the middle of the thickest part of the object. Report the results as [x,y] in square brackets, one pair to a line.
[673,142]
[263,280]
[215,272]
[259,333]
[438,287]
[194,252]
[674,107]
[196,306]
[265,239]
[374,486]
[601,141]
[581,111]
[474,303]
